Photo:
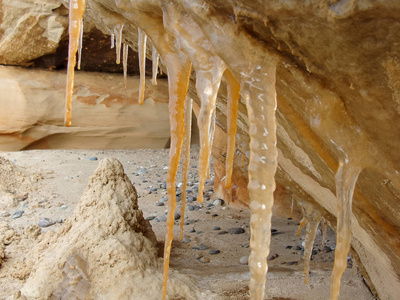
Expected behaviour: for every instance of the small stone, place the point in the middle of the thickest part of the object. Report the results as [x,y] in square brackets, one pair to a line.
[190,207]
[192,230]
[191,199]
[327,249]
[144,181]
[216,228]
[153,189]
[333,247]
[17,214]
[297,248]
[290,263]
[203,247]
[198,255]
[177,216]
[162,218]
[5,214]
[160,203]
[185,240]
[289,247]
[59,221]
[209,205]
[218,202]
[236,230]
[272,256]
[214,251]
[150,218]
[142,171]
[63,207]
[244,260]
[245,245]
[223,232]
[93,158]
[46,222]
[214,215]
[164,199]
[314,252]
[204,260]
[199,232]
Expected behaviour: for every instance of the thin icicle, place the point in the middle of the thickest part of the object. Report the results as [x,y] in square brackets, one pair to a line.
[346,178]
[80,46]
[186,157]
[291,208]
[112,39]
[233,95]
[142,63]
[118,38]
[211,138]
[311,231]
[155,58]
[125,61]
[76,10]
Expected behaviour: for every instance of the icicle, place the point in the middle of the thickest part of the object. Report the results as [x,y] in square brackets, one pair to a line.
[291,208]
[142,63]
[76,10]
[303,222]
[178,67]
[155,58]
[118,38]
[125,61]
[346,178]
[186,157]
[211,140]
[233,89]
[80,46]
[112,39]
[260,96]
[309,239]
[324,228]
[207,85]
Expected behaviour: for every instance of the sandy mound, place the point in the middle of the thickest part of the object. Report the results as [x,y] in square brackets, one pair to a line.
[106,250]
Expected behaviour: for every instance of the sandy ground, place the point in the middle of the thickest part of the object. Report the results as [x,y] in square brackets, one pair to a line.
[48,184]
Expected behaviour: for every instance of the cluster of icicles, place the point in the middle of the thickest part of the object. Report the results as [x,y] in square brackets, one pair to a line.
[260,99]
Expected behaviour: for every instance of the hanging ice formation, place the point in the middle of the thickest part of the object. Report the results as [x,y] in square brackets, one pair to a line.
[76,10]
[125,61]
[155,57]
[142,63]
[80,46]
[180,42]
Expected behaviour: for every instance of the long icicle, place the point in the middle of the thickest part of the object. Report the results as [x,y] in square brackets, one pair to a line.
[178,82]
[142,63]
[311,231]
[112,39]
[346,178]
[80,46]
[233,95]
[155,57]
[125,51]
[76,10]
[260,97]
[186,157]
[118,35]
[207,85]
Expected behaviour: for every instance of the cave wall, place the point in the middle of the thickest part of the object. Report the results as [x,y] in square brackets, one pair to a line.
[337,85]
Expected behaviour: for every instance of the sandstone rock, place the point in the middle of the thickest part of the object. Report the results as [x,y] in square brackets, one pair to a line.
[102,107]
[105,250]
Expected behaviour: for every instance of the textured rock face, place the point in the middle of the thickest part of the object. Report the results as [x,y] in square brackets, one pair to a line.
[33,116]
[338,89]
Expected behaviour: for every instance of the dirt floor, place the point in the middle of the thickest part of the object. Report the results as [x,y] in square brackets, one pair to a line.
[49,183]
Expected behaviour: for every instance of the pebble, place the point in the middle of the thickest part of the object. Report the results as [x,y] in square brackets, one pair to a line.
[198,255]
[244,260]
[93,158]
[272,256]
[289,247]
[17,214]
[190,222]
[297,248]
[238,230]
[63,207]
[160,203]
[142,171]
[192,230]
[199,232]
[314,252]
[327,249]
[150,218]
[209,205]
[214,215]
[153,189]
[162,218]
[46,222]
[333,247]
[164,185]
[214,251]
[177,216]
[191,199]
[201,247]
[164,199]
[4,215]
[207,212]
[218,202]
[59,221]
[185,240]
[290,263]
[190,207]
[204,260]
[223,232]
[216,228]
